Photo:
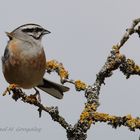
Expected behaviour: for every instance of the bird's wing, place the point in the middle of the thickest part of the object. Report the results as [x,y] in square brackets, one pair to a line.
[53,88]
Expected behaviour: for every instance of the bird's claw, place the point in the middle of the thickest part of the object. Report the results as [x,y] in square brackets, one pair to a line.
[37,94]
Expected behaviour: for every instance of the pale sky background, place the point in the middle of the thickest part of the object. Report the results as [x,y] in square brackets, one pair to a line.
[82,34]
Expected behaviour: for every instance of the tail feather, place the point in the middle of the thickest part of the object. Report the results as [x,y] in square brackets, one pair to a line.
[53,89]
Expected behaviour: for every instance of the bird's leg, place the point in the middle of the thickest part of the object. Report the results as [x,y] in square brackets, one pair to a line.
[37,94]
[10,88]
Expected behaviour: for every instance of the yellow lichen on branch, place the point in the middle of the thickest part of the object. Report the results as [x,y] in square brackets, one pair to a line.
[87,114]
[9,88]
[129,121]
[53,65]
[79,85]
[103,117]
[63,73]
[129,68]
[132,66]
[132,123]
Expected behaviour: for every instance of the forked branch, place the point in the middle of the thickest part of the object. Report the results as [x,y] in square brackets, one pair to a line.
[89,115]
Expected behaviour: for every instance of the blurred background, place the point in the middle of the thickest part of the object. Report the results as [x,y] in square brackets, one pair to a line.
[82,34]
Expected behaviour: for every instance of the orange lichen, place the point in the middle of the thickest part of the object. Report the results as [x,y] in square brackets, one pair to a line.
[132,123]
[9,88]
[137,68]
[132,66]
[84,115]
[87,113]
[79,85]
[63,73]
[53,65]
[102,117]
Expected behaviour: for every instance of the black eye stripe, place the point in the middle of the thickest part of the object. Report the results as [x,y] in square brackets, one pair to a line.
[36,33]
[32,30]
[38,29]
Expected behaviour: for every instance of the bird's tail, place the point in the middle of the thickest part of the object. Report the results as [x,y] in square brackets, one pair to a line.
[53,89]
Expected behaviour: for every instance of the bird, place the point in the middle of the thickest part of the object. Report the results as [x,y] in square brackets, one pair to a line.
[24,60]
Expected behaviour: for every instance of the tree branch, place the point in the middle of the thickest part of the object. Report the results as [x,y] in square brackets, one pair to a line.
[89,115]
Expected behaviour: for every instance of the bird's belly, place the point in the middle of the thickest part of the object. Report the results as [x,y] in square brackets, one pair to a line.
[27,73]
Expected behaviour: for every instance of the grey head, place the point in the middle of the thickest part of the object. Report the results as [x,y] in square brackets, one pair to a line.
[31,31]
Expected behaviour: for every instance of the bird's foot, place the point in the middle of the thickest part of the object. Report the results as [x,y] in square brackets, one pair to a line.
[37,94]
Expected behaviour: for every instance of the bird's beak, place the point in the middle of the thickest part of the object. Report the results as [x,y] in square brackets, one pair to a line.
[46,32]
[9,35]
